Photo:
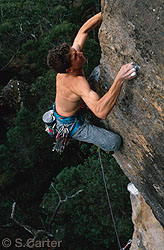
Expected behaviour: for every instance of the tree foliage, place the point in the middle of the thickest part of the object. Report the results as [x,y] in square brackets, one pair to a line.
[86,218]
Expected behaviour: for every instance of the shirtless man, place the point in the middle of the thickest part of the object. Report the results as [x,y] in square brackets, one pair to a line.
[72,89]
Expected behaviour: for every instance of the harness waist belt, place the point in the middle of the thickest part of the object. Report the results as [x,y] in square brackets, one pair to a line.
[76,119]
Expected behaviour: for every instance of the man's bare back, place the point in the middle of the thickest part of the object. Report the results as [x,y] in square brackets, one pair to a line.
[67,101]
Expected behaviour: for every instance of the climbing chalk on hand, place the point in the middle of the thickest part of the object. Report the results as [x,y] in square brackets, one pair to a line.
[133,74]
[137,67]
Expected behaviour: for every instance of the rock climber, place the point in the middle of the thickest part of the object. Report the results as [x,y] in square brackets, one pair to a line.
[72,90]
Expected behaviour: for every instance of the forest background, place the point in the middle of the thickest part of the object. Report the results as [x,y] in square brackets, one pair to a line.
[61,197]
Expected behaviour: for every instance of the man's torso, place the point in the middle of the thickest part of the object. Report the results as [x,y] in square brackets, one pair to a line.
[67,101]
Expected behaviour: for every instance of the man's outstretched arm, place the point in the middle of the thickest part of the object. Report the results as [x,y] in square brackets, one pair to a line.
[102,106]
[84,30]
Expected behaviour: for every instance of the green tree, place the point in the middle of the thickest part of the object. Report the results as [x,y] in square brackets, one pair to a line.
[84,222]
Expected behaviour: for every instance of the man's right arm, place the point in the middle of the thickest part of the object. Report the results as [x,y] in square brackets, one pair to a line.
[82,35]
[102,106]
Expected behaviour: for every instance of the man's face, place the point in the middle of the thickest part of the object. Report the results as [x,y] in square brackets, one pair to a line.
[77,59]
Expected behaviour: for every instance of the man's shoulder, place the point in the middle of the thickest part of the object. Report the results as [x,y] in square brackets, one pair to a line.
[82,83]
[82,79]
[81,86]
[67,75]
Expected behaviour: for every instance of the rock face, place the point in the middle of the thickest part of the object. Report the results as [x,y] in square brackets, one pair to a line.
[148,232]
[134,31]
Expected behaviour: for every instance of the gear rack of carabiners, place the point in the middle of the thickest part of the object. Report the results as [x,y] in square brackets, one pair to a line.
[61,140]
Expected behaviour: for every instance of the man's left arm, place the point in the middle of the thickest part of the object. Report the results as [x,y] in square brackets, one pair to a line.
[82,35]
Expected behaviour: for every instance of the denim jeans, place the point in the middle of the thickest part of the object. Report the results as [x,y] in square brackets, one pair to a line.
[87,132]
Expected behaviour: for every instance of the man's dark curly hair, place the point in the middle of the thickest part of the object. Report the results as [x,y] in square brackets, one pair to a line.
[59,58]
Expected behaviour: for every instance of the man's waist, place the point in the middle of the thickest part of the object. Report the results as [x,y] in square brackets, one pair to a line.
[67,119]
[66,114]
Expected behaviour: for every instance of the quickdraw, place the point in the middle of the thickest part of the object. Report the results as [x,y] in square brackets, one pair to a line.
[129,242]
[50,129]
[61,140]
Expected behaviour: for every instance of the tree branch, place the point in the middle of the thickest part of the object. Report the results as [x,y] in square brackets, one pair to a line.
[10,60]
[60,202]
[35,233]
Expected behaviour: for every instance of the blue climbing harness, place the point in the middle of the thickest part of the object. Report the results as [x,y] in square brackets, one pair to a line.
[77,120]
[60,135]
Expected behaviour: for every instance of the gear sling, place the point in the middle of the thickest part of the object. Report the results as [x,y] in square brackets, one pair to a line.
[61,134]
